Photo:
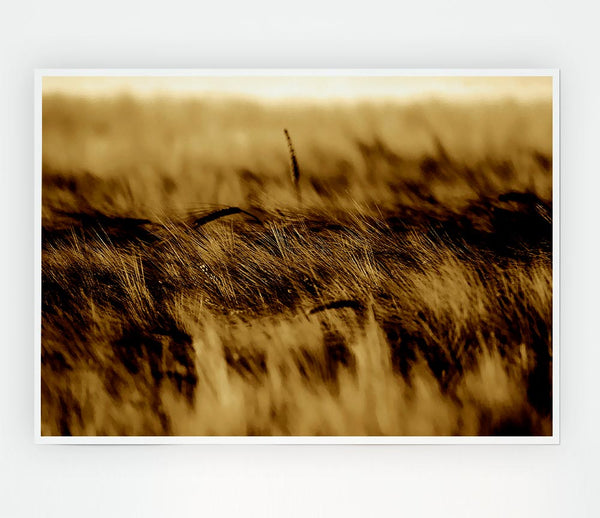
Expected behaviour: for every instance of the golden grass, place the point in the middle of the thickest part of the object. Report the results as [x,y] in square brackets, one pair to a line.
[187,291]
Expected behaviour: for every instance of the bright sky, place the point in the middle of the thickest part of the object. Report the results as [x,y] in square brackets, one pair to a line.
[277,87]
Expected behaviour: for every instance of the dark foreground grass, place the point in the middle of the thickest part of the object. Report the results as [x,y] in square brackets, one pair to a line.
[414,301]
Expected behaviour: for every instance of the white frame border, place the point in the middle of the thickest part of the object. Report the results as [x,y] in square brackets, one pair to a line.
[39,74]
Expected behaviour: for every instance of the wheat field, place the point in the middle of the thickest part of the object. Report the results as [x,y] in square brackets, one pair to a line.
[377,269]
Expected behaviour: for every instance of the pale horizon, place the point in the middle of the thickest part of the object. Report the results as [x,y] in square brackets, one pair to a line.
[306,88]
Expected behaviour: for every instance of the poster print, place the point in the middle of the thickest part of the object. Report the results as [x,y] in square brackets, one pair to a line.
[352,255]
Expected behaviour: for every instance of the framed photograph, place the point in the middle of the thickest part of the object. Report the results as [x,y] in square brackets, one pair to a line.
[297,256]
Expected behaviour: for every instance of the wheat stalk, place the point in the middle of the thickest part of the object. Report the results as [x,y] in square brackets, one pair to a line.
[339,304]
[294,167]
[221,213]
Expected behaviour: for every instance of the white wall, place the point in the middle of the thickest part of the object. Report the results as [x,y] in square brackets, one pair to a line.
[304,481]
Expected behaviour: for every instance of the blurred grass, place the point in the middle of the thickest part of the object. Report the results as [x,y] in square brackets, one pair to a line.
[171,154]
[434,219]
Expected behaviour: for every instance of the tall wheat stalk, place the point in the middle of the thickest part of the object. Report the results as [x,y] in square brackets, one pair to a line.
[294,167]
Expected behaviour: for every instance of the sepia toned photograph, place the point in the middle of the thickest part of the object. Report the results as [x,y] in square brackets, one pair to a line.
[297,254]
